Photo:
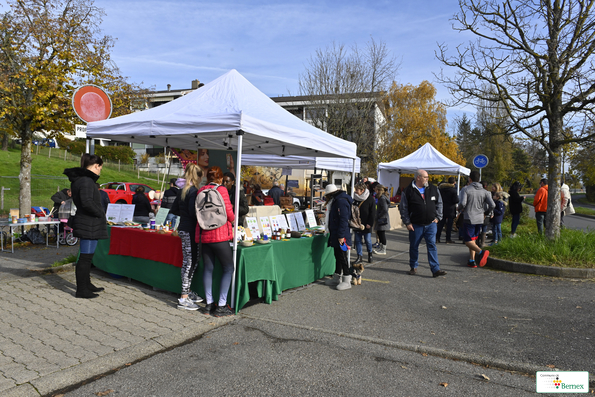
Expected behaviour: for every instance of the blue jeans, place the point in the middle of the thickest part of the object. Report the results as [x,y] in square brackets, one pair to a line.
[540,218]
[516,219]
[497,231]
[428,232]
[358,241]
[170,218]
[88,246]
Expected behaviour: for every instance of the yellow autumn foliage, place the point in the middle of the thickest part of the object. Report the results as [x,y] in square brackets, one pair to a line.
[415,117]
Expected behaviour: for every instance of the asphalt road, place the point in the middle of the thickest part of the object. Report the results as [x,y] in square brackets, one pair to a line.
[319,341]
[572,221]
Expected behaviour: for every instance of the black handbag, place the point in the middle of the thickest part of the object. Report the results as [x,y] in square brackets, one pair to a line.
[382,221]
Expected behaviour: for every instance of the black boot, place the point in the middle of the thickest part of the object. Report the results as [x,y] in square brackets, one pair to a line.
[359,259]
[370,257]
[92,288]
[82,271]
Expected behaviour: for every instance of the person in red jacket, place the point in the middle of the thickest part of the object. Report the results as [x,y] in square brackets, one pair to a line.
[540,205]
[215,245]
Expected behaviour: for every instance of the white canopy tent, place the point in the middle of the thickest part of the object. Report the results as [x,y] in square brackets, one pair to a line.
[426,158]
[227,113]
[211,118]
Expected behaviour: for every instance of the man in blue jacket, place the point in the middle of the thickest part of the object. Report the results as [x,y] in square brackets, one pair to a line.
[337,223]
[421,210]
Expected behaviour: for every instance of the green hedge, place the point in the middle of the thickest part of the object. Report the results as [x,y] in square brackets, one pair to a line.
[112,153]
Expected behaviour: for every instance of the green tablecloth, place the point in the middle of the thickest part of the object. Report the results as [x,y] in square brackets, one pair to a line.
[274,267]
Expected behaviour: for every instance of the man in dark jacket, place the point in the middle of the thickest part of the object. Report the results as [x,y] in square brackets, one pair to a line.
[276,193]
[421,210]
[59,198]
[169,196]
[367,213]
[337,223]
[104,197]
[450,199]
[229,181]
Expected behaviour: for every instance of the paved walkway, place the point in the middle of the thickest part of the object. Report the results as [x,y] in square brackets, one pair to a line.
[50,340]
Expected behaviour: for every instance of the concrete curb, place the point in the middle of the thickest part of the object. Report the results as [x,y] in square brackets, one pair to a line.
[517,267]
[78,375]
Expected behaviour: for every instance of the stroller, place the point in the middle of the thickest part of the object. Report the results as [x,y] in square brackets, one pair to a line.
[66,235]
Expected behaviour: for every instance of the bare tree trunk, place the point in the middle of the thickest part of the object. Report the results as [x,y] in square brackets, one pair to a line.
[552,217]
[25,177]
[5,142]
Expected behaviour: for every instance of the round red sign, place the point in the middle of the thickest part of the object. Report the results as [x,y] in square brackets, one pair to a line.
[91,103]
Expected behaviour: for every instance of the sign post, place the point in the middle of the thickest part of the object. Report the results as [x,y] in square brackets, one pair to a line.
[480,161]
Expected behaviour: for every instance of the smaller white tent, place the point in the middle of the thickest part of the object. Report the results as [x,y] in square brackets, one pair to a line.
[426,158]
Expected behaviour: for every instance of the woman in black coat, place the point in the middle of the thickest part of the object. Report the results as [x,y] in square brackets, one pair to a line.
[142,206]
[367,213]
[450,199]
[89,223]
[516,207]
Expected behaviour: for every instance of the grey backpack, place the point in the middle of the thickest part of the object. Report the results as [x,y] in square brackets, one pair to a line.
[210,209]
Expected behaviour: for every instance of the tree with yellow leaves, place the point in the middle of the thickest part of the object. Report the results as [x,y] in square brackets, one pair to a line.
[414,117]
[47,49]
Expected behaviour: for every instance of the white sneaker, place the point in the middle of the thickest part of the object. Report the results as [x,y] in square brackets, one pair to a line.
[193,296]
[186,304]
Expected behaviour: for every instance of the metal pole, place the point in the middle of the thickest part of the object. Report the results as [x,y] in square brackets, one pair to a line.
[312,190]
[459,184]
[240,135]
[352,195]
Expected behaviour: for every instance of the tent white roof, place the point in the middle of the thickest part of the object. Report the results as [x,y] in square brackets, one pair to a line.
[302,162]
[426,158]
[210,117]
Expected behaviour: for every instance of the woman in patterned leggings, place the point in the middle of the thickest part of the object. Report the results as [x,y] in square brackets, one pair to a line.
[184,205]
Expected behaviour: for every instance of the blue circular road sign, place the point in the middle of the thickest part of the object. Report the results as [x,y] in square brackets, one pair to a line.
[480,161]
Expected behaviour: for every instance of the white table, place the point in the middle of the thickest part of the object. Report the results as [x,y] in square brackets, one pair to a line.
[11,226]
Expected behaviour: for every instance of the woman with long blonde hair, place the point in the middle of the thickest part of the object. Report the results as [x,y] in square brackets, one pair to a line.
[382,218]
[184,205]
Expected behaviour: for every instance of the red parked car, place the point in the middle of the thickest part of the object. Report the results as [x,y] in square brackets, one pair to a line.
[122,192]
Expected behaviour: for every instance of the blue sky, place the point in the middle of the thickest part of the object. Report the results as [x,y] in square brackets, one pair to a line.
[174,42]
[270,42]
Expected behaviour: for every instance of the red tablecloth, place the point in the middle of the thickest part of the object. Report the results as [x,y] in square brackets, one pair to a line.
[146,245]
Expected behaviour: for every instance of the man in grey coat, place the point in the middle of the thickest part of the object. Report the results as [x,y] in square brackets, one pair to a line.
[475,203]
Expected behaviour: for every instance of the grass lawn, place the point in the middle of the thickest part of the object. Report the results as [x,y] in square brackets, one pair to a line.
[574,248]
[47,176]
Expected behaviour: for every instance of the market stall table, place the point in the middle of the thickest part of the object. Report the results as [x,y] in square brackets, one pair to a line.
[11,226]
[156,259]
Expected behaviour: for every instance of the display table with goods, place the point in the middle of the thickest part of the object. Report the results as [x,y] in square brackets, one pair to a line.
[395,218]
[22,222]
[256,211]
[156,259]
